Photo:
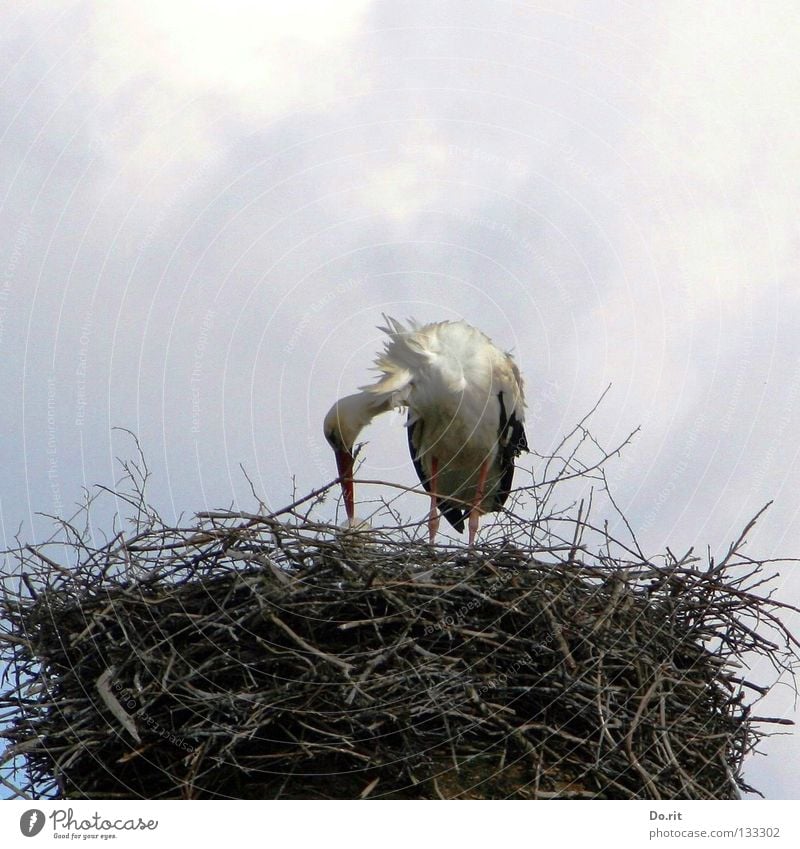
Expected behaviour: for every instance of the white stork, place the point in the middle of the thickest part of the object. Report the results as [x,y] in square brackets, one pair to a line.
[465,417]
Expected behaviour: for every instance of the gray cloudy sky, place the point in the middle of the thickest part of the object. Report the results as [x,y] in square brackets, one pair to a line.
[206,207]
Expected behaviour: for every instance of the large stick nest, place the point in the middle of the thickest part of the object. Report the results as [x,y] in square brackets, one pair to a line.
[270,656]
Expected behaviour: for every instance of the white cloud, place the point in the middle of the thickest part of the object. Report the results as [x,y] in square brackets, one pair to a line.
[267,54]
[719,141]
[173,76]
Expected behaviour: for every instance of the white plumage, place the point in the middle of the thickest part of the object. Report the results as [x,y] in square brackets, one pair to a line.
[465,417]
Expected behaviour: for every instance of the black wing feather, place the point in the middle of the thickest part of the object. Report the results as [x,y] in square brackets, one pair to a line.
[512,442]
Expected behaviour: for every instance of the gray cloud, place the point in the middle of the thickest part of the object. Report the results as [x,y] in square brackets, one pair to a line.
[205,217]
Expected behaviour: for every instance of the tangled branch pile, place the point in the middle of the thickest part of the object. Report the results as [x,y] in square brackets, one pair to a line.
[275,657]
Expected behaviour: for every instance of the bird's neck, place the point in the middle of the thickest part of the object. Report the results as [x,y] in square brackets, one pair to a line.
[355,412]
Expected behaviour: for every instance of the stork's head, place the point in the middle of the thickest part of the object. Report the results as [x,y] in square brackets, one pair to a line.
[342,425]
[343,422]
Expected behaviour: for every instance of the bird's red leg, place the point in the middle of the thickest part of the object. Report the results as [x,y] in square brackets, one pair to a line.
[474,512]
[433,519]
